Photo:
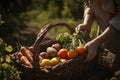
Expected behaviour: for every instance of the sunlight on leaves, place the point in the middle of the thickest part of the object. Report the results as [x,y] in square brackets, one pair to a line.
[9,48]
[8,59]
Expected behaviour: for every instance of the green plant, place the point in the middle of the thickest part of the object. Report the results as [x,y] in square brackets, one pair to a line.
[71,41]
[1,20]
[116,76]
[7,69]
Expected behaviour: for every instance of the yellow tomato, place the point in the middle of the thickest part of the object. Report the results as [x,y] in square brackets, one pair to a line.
[55,61]
[63,60]
[80,50]
[45,62]
[72,54]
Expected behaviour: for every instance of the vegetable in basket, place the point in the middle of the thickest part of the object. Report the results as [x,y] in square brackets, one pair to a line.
[72,41]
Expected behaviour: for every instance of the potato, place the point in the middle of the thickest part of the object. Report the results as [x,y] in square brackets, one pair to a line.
[44,55]
[52,52]
[57,46]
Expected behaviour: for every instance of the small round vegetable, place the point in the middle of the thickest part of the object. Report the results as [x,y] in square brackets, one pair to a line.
[80,50]
[57,46]
[55,61]
[62,53]
[52,52]
[63,60]
[72,54]
[45,62]
[44,55]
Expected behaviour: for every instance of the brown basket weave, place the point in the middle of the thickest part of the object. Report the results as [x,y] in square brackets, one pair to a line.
[73,69]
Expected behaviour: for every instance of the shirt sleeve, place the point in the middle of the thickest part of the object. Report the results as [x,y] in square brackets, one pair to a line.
[87,10]
[115,21]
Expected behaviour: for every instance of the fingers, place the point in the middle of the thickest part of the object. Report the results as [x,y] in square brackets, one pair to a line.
[89,57]
[82,27]
[91,51]
[77,29]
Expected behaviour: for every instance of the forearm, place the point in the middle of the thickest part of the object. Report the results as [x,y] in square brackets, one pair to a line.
[88,19]
[107,34]
[92,46]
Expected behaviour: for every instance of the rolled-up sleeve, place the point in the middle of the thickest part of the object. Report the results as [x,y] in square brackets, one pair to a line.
[87,8]
[115,21]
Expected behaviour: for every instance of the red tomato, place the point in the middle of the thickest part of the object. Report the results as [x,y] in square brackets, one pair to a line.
[72,54]
[62,53]
[80,50]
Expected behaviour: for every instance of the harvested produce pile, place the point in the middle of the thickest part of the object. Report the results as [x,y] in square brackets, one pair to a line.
[68,46]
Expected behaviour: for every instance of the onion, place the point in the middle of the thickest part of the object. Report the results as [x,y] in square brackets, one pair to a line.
[57,46]
[44,55]
[52,52]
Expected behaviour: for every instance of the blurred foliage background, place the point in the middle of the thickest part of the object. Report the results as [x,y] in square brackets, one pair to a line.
[23,17]
[19,14]
[21,20]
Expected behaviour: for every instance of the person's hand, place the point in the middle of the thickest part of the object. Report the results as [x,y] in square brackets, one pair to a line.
[83,27]
[91,48]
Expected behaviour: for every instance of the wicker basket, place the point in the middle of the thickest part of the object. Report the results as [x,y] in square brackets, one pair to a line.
[74,69]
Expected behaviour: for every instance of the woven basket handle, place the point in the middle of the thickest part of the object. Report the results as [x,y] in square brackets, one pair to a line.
[40,37]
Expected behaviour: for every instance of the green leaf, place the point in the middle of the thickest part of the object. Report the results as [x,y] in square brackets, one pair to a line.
[5,65]
[1,40]
[8,59]
[117,73]
[9,48]
[1,59]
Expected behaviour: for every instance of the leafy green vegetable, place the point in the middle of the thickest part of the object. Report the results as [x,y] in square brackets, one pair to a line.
[71,41]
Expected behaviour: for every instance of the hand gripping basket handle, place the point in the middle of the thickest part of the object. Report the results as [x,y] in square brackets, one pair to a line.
[40,37]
